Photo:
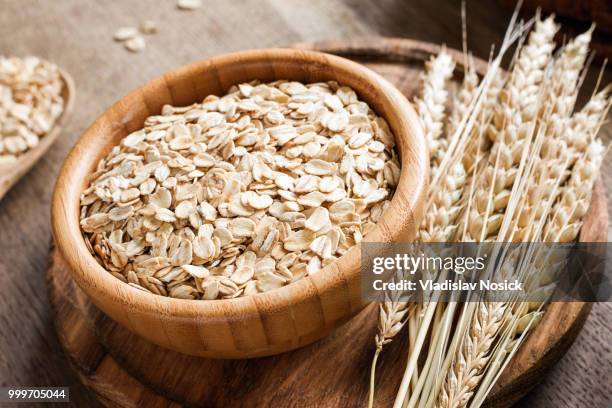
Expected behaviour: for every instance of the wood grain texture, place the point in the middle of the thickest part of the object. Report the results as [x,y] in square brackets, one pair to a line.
[129,358]
[266,323]
[76,34]
[11,173]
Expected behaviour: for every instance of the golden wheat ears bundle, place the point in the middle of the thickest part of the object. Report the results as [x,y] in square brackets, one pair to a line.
[444,202]
[511,162]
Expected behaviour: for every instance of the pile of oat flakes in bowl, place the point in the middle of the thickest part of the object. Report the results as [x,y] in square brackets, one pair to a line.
[240,194]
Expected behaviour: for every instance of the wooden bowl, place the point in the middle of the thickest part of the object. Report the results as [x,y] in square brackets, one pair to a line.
[267,323]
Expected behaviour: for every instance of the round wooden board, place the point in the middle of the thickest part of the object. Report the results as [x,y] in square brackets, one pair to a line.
[124,370]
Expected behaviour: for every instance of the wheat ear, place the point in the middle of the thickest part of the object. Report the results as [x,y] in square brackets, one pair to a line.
[566,74]
[431,109]
[563,89]
[431,104]
[463,99]
[564,222]
[563,225]
[566,218]
[587,121]
[463,376]
[519,102]
[509,131]
[438,225]
[391,319]
[566,137]
[478,145]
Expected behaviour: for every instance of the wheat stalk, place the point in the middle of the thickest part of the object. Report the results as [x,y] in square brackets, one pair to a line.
[391,319]
[456,147]
[523,189]
[563,225]
[509,132]
[431,107]
[463,377]
[438,224]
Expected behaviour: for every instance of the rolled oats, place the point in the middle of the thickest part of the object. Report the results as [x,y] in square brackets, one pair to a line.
[135,44]
[149,27]
[125,33]
[240,194]
[30,104]
[189,4]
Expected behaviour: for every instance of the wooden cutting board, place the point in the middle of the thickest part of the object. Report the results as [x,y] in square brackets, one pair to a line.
[124,370]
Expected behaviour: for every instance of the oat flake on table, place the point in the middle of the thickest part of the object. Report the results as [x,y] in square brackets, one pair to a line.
[30,104]
[240,194]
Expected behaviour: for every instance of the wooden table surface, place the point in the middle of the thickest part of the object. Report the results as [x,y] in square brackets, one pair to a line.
[77,35]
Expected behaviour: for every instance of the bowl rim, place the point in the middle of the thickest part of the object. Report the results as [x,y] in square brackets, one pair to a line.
[90,275]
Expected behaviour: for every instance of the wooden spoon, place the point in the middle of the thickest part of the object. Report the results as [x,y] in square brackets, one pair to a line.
[12,172]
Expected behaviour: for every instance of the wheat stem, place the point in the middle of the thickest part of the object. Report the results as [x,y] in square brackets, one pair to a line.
[511,130]
[535,183]
[430,106]
[412,361]
[456,145]
[373,377]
